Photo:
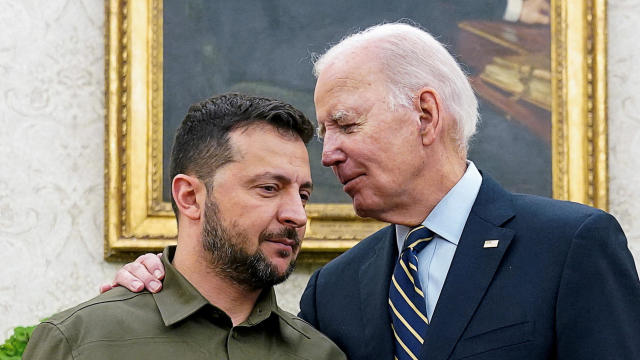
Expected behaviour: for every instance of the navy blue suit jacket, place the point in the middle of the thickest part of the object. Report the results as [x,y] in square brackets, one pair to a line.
[561,284]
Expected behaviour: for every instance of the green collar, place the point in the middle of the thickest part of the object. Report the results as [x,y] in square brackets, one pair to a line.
[179,299]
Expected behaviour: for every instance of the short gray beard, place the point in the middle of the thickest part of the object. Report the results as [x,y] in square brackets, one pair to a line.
[229,259]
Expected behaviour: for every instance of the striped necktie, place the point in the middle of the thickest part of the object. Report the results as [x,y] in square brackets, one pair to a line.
[406,298]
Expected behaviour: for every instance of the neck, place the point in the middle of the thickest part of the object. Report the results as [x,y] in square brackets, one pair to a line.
[236,301]
[429,193]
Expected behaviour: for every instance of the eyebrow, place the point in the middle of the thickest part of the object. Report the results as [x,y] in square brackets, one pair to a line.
[339,115]
[283,179]
[335,117]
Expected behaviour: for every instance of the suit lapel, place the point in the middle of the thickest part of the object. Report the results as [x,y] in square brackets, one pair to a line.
[375,277]
[471,271]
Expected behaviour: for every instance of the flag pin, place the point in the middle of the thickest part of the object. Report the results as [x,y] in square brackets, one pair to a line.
[491,243]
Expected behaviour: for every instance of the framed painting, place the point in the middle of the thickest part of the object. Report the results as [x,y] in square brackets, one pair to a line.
[542,90]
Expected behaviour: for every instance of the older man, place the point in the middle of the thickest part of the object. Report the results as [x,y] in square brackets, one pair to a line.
[467,269]
[241,179]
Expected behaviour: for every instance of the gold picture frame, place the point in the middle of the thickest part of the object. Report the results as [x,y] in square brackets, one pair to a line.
[137,220]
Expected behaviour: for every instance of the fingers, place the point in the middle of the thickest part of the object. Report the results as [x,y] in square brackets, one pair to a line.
[125,278]
[145,272]
[153,264]
[107,286]
[135,277]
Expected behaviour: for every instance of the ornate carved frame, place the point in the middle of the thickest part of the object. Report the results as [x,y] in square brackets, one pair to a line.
[137,220]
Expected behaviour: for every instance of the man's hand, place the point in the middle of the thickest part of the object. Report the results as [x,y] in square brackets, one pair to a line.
[145,272]
[535,12]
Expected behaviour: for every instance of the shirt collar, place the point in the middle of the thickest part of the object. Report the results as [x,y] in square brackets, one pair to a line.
[179,299]
[265,306]
[448,217]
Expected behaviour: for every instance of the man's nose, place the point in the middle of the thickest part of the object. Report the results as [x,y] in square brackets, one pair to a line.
[332,154]
[292,212]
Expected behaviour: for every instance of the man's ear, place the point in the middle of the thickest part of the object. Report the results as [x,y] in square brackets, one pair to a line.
[189,193]
[428,106]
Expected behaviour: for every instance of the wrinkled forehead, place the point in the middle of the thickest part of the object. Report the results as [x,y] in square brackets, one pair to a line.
[335,85]
[343,96]
[342,85]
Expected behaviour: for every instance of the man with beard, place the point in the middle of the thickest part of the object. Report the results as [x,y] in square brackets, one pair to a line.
[241,180]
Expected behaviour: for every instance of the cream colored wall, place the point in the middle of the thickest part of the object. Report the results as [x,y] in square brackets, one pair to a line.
[624,118]
[52,131]
[51,172]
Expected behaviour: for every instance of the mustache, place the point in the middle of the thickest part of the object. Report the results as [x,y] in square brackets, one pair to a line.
[284,232]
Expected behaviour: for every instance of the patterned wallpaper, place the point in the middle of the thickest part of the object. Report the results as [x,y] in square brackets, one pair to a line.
[624,118]
[52,131]
[51,177]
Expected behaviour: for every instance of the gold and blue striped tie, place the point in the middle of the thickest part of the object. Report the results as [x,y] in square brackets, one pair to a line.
[406,298]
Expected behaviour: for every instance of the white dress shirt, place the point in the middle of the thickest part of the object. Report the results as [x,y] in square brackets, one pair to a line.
[447,221]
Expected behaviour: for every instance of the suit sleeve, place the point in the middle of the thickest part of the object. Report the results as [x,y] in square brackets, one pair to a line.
[598,304]
[308,310]
[47,342]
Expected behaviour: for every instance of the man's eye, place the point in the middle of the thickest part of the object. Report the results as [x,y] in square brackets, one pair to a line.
[347,128]
[269,188]
[304,196]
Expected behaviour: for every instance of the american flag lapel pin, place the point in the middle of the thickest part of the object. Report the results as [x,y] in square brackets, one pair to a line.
[491,243]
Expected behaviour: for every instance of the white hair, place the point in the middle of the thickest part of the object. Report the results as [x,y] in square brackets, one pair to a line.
[411,59]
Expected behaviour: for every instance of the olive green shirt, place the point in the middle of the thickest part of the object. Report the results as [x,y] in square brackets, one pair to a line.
[176,323]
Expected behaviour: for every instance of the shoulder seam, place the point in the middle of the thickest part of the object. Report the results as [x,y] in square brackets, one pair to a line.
[63,336]
[319,333]
[133,295]
[289,318]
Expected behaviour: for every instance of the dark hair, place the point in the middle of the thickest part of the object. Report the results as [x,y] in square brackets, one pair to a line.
[201,144]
